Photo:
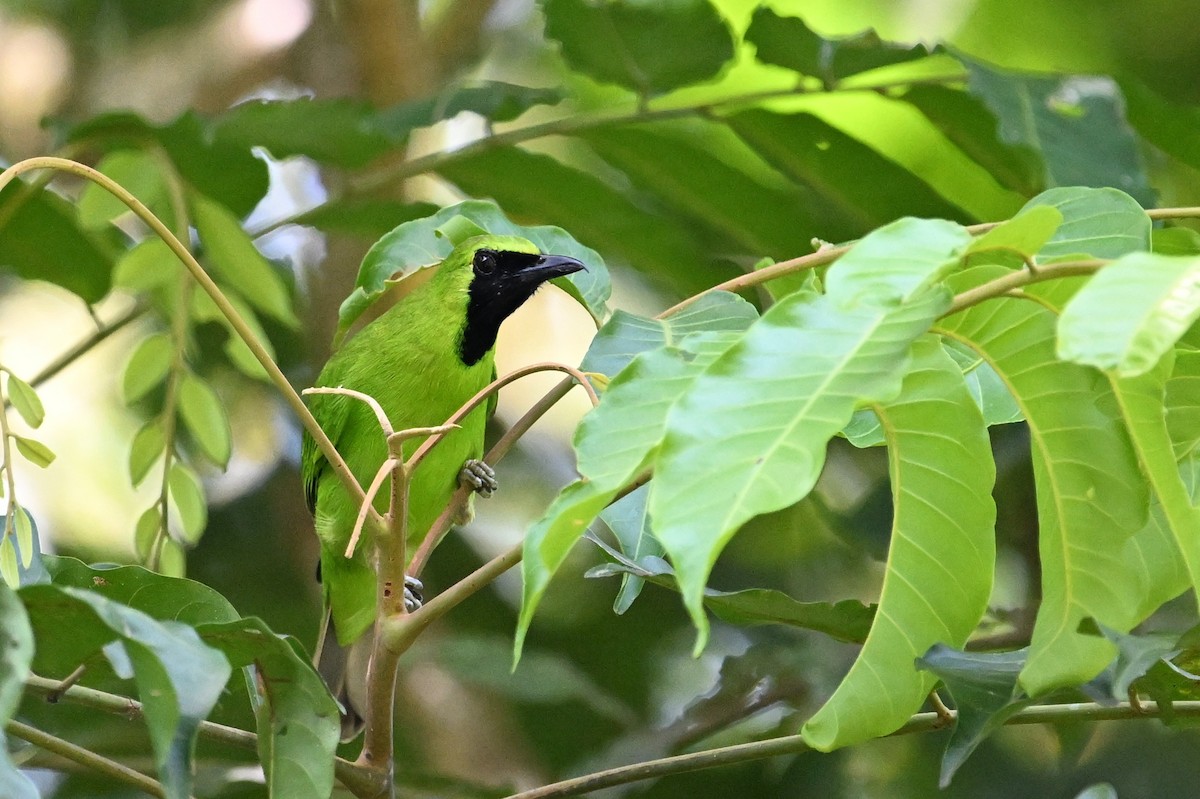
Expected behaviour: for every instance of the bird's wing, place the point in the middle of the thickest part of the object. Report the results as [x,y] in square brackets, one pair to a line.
[331,411]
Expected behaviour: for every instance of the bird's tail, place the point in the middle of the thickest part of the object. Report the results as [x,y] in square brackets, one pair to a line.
[344,670]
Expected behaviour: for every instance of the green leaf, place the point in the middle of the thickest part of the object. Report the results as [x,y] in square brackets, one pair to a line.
[238,352]
[42,240]
[1026,233]
[351,134]
[746,213]
[987,388]
[650,48]
[1171,127]
[739,445]
[861,188]
[942,553]
[613,443]
[986,693]
[138,173]
[1101,223]
[363,217]
[205,418]
[16,654]
[297,719]
[236,261]
[148,366]
[414,245]
[1131,313]
[1183,403]
[625,335]
[1080,452]
[34,451]
[179,678]
[1075,122]
[26,401]
[228,172]
[145,532]
[847,620]
[630,523]
[188,493]
[971,127]
[23,526]
[147,447]
[148,266]
[8,563]
[787,42]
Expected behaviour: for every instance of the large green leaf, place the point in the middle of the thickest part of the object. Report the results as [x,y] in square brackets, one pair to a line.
[40,239]
[16,654]
[179,678]
[1101,223]
[297,718]
[1131,313]
[942,554]
[1183,403]
[648,47]
[1080,453]
[625,335]
[613,443]
[861,188]
[1075,123]
[749,435]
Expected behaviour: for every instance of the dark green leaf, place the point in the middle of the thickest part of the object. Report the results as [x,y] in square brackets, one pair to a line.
[297,719]
[227,172]
[26,401]
[971,127]
[985,691]
[787,42]
[148,366]
[367,218]
[205,418]
[1171,127]
[648,47]
[861,188]
[238,352]
[1075,123]
[42,240]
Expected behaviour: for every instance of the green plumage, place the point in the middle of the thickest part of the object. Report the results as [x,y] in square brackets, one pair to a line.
[409,360]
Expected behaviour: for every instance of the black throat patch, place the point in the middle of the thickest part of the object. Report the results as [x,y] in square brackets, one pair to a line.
[501,282]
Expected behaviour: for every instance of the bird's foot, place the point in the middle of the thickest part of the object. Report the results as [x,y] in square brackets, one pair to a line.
[412,594]
[479,477]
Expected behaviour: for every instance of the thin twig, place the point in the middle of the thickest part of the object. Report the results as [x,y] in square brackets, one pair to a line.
[1022,277]
[85,757]
[795,744]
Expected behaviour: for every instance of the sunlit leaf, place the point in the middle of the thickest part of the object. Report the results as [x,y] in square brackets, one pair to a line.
[749,434]
[34,451]
[147,447]
[148,366]
[1101,223]
[26,401]
[942,552]
[1026,233]
[1131,312]
[138,173]
[205,418]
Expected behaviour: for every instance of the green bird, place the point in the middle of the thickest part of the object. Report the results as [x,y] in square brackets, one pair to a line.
[421,360]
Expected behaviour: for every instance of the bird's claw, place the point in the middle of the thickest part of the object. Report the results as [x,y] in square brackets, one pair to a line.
[479,477]
[412,594]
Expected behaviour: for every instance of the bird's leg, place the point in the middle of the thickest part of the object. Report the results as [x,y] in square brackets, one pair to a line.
[479,477]
[412,594]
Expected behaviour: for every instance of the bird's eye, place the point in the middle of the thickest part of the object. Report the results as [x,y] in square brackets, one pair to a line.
[485,262]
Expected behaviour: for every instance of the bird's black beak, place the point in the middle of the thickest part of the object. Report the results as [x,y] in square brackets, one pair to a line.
[548,267]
